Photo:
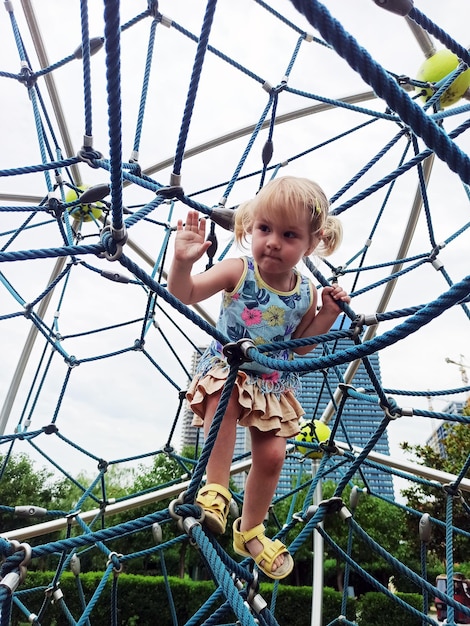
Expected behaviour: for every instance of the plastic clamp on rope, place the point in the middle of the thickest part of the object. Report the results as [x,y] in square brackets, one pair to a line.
[28,77]
[95,43]
[391,409]
[400,7]
[338,271]
[13,579]
[89,157]
[254,599]
[170,192]
[223,217]
[237,351]
[425,528]
[179,501]
[86,152]
[119,239]
[452,490]
[114,557]
[333,505]
[357,325]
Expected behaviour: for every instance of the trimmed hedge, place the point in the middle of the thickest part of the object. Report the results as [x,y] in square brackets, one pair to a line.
[374,606]
[143,601]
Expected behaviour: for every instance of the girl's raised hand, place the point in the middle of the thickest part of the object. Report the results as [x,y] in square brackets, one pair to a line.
[190,243]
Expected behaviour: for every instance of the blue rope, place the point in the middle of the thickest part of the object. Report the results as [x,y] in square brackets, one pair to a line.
[197,67]
[385,87]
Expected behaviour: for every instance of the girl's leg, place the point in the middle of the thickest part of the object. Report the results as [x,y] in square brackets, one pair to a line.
[268,454]
[218,466]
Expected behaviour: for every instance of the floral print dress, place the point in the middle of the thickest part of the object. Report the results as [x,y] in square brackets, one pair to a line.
[256,311]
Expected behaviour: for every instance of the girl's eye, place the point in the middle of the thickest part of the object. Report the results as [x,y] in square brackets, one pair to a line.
[289,235]
[264,228]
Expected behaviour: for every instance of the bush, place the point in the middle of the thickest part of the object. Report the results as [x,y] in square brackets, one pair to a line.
[373,606]
[143,600]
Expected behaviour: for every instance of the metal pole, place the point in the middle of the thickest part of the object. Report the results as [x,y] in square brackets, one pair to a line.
[317,579]
[50,84]
[38,530]
[389,288]
[173,491]
[248,130]
[424,40]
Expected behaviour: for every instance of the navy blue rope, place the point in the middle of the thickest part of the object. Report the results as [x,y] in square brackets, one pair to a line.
[385,87]
[197,67]
[440,34]
[86,67]
[113,75]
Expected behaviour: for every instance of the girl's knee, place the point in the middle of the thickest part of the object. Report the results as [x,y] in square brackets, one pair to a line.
[272,459]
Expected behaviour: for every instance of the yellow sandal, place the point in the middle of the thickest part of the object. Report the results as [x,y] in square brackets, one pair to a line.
[271,550]
[215,500]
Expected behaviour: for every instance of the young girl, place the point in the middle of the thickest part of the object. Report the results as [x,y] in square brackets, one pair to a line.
[266,299]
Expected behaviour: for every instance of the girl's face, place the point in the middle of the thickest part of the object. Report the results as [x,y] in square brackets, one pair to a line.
[279,242]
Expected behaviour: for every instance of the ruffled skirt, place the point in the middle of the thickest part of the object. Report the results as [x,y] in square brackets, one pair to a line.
[267,411]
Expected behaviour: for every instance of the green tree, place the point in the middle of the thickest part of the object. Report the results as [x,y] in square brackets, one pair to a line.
[382,521]
[24,485]
[431,499]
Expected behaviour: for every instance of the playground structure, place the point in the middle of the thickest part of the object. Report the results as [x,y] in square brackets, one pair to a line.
[92,339]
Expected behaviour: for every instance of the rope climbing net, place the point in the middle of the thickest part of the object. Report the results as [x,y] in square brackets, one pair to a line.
[96,351]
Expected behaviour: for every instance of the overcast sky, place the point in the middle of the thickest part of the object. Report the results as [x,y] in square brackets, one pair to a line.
[123,406]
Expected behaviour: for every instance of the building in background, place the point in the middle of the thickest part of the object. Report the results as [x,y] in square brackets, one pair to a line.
[359,422]
[437,439]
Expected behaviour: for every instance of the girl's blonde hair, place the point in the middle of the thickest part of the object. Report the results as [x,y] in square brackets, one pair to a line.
[286,197]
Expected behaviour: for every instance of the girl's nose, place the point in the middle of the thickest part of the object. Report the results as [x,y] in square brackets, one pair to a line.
[273,241]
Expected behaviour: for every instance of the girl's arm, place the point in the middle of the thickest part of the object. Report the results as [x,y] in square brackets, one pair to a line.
[190,245]
[314,323]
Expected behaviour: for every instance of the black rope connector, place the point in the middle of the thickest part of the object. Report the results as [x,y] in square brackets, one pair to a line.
[223,217]
[278,88]
[113,559]
[333,505]
[345,388]
[56,208]
[338,271]
[452,491]
[96,43]
[237,352]
[139,344]
[113,242]
[89,156]
[50,429]
[177,514]
[95,193]
[400,7]
[267,153]
[28,77]
[212,249]
[403,79]
[173,191]
[103,465]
